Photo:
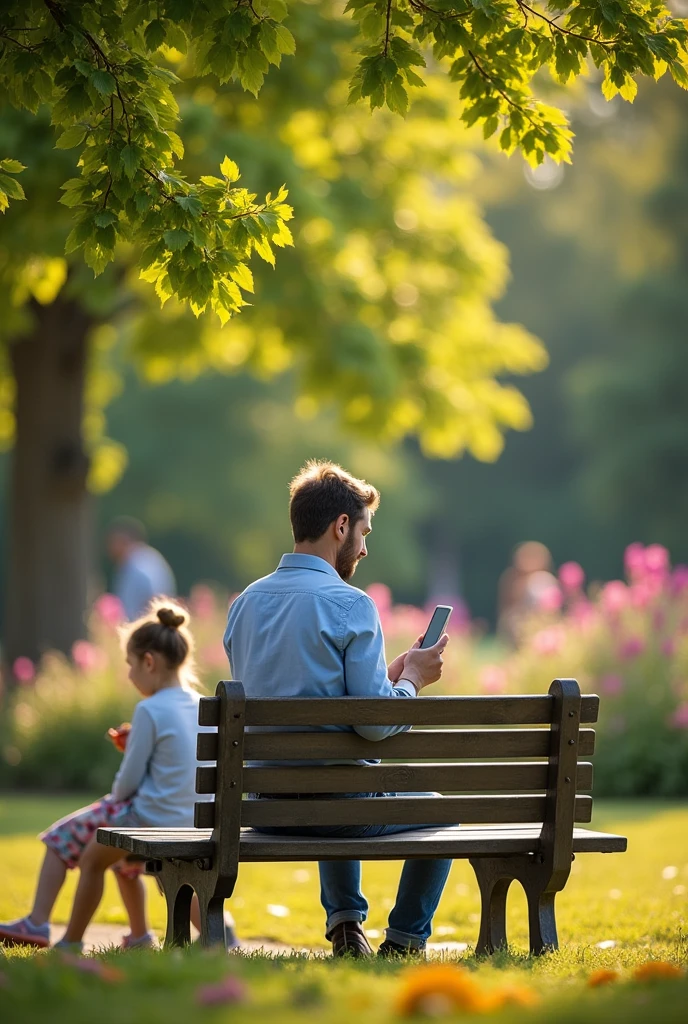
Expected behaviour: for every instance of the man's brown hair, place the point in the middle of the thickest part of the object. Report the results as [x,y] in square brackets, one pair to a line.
[320,493]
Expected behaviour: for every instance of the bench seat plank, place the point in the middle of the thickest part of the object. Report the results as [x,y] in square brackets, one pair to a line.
[460,841]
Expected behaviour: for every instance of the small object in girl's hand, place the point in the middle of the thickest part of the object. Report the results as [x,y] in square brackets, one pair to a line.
[120,735]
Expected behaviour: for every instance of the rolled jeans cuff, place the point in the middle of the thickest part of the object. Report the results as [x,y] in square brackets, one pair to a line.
[404,939]
[340,916]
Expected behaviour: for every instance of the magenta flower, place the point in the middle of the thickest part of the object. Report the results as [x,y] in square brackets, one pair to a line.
[550,599]
[611,685]
[642,593]
[656,559]
[679,579]
[229,990]
[679,719]
[24,670]
[614,596]
[109,609]
[381,595]
[493,679]
[571,576]
[634,561]
[582,611]
[631,648]
[87,657]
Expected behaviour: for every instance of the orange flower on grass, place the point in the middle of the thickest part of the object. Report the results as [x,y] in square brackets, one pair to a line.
[657,970]
[439,990]
[603,976]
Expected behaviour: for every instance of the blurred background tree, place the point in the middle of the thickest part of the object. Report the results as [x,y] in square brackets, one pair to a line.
[583,246]
[384,308]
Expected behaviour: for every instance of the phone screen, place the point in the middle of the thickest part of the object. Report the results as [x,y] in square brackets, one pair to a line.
[437,624]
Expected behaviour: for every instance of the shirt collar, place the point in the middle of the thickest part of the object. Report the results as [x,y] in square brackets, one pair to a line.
[299,561]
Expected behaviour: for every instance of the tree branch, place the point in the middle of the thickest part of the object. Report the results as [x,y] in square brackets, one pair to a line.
[31,49]
[565,31]
[490,78]
[387,24]
[419,6]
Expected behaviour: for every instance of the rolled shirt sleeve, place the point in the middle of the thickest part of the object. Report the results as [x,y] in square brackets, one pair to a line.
[365,666]
[138,752]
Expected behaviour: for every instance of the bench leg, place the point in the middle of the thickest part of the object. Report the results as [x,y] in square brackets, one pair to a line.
[541,920]
[212,921]
[178,915]
[495,875]
[494,886]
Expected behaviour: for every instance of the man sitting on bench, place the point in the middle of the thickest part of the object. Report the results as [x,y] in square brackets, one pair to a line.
[304,631]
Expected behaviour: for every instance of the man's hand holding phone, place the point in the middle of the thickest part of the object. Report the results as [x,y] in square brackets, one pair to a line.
[422,664]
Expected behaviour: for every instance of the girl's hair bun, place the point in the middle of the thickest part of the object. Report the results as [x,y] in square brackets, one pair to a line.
[168,617]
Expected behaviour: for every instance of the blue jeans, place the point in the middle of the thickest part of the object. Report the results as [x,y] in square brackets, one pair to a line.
[420,886]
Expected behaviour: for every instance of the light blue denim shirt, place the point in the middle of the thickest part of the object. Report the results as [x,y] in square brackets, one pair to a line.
[304,632]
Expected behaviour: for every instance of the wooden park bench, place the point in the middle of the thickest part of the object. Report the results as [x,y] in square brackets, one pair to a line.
[511,763]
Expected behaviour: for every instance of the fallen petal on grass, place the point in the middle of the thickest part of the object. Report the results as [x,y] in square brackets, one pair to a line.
[230,990]
[89,965]
[277,910]
[657,970]
[606,944]
[604,976]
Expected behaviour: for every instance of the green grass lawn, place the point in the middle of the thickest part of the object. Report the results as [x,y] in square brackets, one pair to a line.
[637,901]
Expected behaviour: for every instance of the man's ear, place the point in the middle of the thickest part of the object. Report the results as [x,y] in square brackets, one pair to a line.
[341,525]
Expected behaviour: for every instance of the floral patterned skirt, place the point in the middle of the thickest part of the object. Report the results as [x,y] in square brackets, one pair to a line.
[69,836]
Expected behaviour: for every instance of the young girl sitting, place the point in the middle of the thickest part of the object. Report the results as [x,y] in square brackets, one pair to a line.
[155,786]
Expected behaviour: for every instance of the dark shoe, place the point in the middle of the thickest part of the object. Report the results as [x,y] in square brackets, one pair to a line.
[349,939]
[391,950]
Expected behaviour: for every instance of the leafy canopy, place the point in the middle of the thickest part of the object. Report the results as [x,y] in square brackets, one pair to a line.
[101,68]
[494,49]
[104,70]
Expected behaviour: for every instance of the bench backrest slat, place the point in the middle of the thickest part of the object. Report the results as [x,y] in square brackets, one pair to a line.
[451,810]
[294,711]
[433,743]
[528,777]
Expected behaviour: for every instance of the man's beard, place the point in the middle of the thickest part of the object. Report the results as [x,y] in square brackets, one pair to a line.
[347,559]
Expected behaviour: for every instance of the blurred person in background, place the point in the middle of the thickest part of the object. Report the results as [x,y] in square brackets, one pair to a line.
[522,586]
[141,572]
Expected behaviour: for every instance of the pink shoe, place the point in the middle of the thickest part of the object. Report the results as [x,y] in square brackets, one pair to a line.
[25,933]
[146,941]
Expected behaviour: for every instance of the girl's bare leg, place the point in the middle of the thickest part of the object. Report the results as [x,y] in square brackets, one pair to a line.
[133,893]
[94,862]
[50,880]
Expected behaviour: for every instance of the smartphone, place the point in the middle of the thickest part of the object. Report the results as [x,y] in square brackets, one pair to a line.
[437,625]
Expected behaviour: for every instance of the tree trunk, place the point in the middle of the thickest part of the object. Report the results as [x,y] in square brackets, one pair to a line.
[49,520]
